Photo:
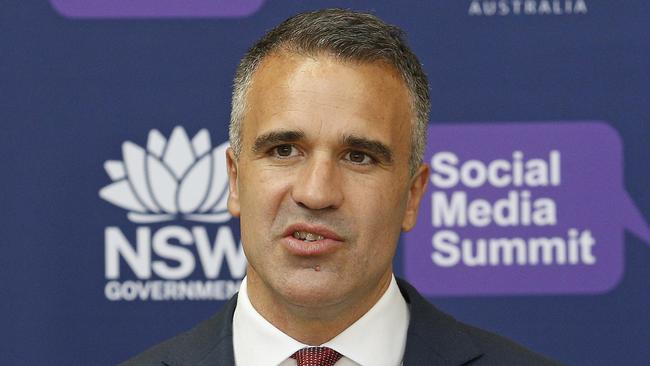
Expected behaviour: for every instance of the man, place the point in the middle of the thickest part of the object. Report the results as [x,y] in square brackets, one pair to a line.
[327,135]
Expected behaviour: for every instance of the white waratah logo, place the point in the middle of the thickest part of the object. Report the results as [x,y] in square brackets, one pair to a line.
[175,178]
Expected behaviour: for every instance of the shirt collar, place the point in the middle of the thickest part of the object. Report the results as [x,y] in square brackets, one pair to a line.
[255,339]
[378,338]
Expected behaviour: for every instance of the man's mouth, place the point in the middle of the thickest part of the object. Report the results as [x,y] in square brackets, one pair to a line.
[307,236]
[306,240]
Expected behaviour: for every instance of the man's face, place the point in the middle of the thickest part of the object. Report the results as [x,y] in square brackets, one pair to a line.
[322,183]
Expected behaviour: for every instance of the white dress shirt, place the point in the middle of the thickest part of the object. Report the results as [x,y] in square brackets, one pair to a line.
[378,338]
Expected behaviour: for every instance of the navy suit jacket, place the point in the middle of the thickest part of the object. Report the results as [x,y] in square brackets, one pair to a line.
[434,339]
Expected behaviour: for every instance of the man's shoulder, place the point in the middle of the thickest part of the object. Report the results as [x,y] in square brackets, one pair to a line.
[499,350]
[210,339]
[435,335]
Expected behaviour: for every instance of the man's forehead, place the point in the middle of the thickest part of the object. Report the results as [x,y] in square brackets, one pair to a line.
[272,65]
[285,82]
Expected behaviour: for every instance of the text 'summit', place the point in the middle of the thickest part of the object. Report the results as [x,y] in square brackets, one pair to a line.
[456,203]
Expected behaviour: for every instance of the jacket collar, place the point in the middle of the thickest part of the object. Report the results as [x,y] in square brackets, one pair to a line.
[434,338]
[208,344]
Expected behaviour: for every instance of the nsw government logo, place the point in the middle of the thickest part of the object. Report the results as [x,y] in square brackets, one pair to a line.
[175,192]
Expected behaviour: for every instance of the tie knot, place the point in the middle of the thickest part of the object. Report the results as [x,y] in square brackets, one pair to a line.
[316,356]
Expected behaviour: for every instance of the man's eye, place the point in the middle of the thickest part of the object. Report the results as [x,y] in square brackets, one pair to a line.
[284,151]
[359,157]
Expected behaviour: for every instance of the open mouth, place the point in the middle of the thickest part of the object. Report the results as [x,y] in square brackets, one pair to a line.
[305,240]
[307,236]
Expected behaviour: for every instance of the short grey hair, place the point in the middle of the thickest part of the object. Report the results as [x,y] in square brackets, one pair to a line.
[348,36]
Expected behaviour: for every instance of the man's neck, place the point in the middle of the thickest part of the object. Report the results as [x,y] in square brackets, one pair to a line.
[307,324]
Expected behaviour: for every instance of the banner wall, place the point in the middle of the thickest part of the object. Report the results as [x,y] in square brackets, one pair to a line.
[114,121]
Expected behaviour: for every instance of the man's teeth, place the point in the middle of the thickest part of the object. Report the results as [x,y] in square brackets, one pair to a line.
[307,236]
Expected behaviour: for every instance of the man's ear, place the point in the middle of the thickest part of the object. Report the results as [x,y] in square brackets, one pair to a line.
[418,185]
[233,176]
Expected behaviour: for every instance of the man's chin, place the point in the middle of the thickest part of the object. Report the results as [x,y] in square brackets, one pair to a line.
[313,289]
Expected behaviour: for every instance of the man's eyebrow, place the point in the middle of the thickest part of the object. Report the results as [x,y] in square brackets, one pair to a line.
[276,137]
[375,147]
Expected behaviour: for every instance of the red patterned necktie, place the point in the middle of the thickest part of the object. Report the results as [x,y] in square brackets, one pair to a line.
[316,356]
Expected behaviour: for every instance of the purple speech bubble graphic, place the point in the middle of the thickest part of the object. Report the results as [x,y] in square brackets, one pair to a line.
[522,208]
[155,8]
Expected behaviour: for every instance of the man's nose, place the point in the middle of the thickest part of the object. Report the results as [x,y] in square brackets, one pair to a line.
[318,184]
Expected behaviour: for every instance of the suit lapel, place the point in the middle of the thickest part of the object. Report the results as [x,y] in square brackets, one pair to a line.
[220,355]
[434,338]
[208,344]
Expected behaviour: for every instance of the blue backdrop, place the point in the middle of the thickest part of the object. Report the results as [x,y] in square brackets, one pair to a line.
[73,89]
